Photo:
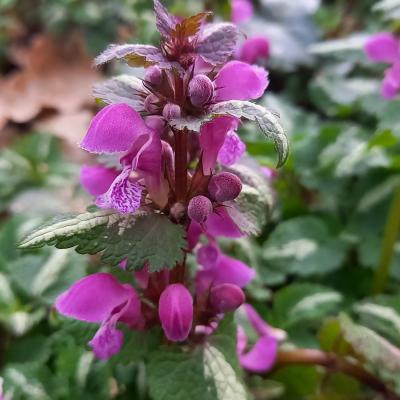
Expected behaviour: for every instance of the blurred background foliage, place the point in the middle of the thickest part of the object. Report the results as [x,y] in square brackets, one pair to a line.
[326,249]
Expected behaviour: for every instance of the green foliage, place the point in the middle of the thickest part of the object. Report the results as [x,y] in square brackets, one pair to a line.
[135,238]
[205,372]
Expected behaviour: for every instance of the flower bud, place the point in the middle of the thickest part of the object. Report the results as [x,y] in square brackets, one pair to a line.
[208,255]
[199,208]
[224,186]
[178,212]
[153,75]
[151,104]
[201,90]
[226,297]
[175,309]
[171,111]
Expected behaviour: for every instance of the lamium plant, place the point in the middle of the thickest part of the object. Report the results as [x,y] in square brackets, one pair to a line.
[177,178]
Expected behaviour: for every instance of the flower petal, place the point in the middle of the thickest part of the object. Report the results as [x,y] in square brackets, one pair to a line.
[220,224]
[242,11]
[176,312]
[208,255]
[262,356]
[231,270]
[114,129]
[253,49]
[242,340]
[123,195]
[251,85]
[93,298]
[97,179]
[212,137]
[391,82]
[232,149]
[383,47]
[107,342]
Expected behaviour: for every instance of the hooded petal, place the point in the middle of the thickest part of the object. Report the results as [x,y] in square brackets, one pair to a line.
[131,314]
[97,179]
[242,11]
[176,312]
[262,356]
[93,298]
[220,224]
[212,137]
[193,234]
[232,150]
[107,341]
[208,255]
[238,80]
[253,49]
[123,195]
[226,297]
[383,47]
[231,270]
[391,82]
[114,129]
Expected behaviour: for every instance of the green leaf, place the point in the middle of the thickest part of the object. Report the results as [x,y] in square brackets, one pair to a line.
[304,303]
[136,238]
[304,246]
[371,347]
[63,227]
[203,373]
[268,122]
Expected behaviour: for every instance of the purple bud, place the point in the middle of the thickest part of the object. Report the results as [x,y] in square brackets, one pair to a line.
[201,90]
[153,75]
[224,187]
[175,309]
[199,208]
[155,122]
[208,255]
[151,104]
[226,297]
[171,111]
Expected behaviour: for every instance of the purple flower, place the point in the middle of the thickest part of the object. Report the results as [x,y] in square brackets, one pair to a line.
[218,268]
[232,149]
[262,356]
[224,186]
[385,47]
[253,49]
[100,298]
[119,128]
[199,208]
[175,310]
[242,11]
[97,179]
[226,297]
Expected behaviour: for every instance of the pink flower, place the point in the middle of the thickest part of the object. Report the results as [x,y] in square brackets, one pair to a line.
[119,128]
[262,356]
[385,47]
[175,310]
[242,11]
[253,49]
[218,268]
[100,298]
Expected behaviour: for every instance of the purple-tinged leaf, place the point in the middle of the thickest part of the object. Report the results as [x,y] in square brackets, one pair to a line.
[218,43]
[165,21]
[121,89]
[136,55]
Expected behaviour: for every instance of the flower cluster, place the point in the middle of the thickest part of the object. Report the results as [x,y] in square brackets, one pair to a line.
[176,156]
[384,47]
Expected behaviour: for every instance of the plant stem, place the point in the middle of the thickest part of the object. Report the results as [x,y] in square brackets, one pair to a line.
[334,363]
[180,165]
[390,236]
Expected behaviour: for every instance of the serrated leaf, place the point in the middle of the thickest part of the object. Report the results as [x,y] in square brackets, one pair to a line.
[267,121]
[206,372]
[136,55]
[165,21]
[136,238]
[121,89]
[371,347]
[63,227]
[192,123]
[190,26]
[218,42]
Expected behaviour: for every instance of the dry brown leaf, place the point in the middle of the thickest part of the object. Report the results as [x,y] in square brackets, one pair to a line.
[53,75]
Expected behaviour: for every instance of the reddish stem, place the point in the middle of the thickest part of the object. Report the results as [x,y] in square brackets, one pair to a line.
[333,362]
[180,164]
